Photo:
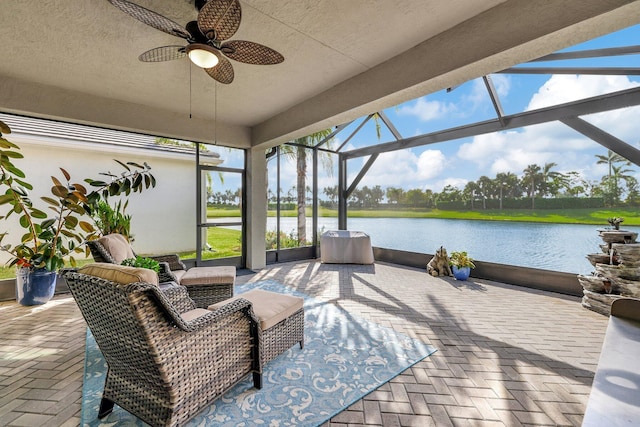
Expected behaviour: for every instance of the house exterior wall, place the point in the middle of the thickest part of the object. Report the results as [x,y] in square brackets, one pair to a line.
[163,218]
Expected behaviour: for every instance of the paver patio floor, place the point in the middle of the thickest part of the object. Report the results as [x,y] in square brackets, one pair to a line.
[507,355]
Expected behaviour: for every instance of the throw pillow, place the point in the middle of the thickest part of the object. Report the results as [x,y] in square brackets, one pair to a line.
[118,246]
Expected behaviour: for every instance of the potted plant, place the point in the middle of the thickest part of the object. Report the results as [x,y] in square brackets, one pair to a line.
[461,265]
[142,262]
[49,241]
[112,219]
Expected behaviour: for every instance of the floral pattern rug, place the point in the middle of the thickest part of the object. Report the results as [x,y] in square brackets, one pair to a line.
[344,358]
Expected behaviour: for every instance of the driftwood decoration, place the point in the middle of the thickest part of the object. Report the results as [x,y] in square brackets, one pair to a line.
[439,264]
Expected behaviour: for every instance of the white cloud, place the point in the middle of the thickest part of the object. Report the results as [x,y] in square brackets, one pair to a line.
[502,84]
[427,110]
[512,151]
[566,88]
[621,123]
[400,169]
[477,94]
[456,182]
[430,164]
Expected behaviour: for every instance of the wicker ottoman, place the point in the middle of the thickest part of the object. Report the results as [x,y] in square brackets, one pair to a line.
[281,320]
[209,285]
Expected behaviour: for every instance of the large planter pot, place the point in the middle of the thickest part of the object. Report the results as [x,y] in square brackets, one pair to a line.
[35,286]
[461,273]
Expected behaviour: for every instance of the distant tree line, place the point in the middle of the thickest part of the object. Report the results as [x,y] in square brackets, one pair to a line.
[538,187]
[224,198]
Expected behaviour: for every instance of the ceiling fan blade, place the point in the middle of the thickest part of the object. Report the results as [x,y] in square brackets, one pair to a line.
[164,53]
[150,18]
[251,53]
[223,72]
[219,19]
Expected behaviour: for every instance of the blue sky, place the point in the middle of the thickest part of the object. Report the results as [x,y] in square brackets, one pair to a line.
[457,162]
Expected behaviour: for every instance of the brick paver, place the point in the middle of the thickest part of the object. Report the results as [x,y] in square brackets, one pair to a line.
[507,355]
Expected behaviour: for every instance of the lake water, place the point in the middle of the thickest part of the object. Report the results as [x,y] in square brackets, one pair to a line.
[557,247]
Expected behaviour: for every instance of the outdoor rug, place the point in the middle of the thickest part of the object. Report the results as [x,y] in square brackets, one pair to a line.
[344,358]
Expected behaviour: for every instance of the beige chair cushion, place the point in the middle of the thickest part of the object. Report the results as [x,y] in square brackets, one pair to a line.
[118,246]
[219,275]
[120,274]
[269,307]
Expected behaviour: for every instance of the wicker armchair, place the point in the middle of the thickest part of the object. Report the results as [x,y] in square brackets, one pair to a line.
[218,286]
[171,268]
[167,359]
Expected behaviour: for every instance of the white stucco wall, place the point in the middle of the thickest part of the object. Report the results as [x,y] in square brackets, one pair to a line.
[163,218]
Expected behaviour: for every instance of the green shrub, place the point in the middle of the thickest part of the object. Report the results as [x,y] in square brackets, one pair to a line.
[142,262]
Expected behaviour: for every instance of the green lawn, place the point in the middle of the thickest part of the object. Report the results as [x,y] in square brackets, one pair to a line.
[224,242]
[563,216]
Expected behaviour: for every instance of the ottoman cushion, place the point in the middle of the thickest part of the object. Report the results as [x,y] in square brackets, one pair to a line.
[209,275]
[179,274]
[269,307]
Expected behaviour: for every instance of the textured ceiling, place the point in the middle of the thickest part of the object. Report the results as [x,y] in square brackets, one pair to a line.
[76,60]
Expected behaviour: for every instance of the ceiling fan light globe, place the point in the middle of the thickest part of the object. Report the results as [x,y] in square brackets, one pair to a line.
[202,55]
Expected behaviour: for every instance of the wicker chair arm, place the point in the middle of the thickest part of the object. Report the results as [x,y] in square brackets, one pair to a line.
[99,252]
[179,298]
[165,274]
[211,320]
[172,259]
[199,322]
[225,310]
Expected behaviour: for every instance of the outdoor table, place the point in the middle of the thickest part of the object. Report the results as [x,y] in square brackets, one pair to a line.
[346,247]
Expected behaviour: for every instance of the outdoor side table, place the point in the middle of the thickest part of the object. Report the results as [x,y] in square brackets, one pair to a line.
[346,247]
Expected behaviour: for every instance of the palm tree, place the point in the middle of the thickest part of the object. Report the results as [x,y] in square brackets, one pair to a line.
[470,190]
[530,178]
[298,152]
[611,180]
[633,192]
[485,186]
[552,181]
[395,194]
[377,193]
[510,184]
[611,159]
[331,193]
[620,174]
[503,179]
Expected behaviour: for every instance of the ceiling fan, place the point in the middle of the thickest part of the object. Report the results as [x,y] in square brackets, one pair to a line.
[218,20]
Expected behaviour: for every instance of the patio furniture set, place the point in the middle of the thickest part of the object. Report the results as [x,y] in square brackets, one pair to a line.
[176,340]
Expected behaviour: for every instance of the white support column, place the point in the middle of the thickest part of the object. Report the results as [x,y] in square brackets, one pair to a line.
[256,220]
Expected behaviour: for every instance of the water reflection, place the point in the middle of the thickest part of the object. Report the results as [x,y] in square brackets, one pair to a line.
[558,247]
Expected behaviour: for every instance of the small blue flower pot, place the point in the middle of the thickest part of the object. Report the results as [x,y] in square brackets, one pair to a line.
[461,273]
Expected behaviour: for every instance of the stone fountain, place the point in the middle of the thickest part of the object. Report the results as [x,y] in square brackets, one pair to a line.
[617,269]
